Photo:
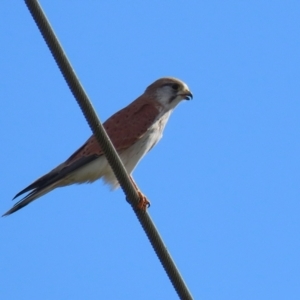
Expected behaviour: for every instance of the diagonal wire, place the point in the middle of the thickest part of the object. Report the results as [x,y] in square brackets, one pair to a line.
[108,149]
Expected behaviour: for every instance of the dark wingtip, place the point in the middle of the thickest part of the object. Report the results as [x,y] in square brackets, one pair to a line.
[12,210]
[20,204]
[7,213]
[27,189]
[16,207]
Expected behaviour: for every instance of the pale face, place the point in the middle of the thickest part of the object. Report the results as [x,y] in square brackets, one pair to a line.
[170,91]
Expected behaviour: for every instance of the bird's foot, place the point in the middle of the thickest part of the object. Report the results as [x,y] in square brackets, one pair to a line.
[144,203]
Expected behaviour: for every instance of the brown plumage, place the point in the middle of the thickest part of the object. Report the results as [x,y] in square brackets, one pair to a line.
[133,130]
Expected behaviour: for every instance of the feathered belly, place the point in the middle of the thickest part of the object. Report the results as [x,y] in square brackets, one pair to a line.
[130,157]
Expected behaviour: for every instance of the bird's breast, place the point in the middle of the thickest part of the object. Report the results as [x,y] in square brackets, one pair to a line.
[135,153]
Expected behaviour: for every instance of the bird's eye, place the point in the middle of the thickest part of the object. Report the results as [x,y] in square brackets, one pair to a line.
[175,86]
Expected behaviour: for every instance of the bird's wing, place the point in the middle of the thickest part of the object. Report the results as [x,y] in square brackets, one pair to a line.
[124,128]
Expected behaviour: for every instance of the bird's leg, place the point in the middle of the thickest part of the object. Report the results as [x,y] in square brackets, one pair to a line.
[144,203]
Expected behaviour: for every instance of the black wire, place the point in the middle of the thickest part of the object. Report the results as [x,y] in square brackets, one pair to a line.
[108,149]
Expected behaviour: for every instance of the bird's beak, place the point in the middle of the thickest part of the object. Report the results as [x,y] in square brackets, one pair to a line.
[187,95]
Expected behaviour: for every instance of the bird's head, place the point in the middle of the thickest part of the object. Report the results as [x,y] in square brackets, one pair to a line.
[169,91]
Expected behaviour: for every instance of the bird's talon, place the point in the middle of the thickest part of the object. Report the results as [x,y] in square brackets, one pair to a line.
[143,203]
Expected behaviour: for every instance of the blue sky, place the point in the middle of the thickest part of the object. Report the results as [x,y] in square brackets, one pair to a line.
[223,181]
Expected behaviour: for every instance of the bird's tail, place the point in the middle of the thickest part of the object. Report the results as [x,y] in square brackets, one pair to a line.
[33,195]
[58,177]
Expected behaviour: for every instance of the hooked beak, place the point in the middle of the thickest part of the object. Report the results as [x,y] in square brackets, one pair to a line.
[187,95]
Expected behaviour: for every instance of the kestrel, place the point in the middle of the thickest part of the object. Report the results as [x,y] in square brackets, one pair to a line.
[134,130]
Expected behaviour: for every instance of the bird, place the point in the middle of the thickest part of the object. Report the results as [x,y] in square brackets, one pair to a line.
[133,130]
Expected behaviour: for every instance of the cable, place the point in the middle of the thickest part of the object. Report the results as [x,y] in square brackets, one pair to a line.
[108,149]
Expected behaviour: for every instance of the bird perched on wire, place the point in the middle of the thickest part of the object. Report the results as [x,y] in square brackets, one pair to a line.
[134,130]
